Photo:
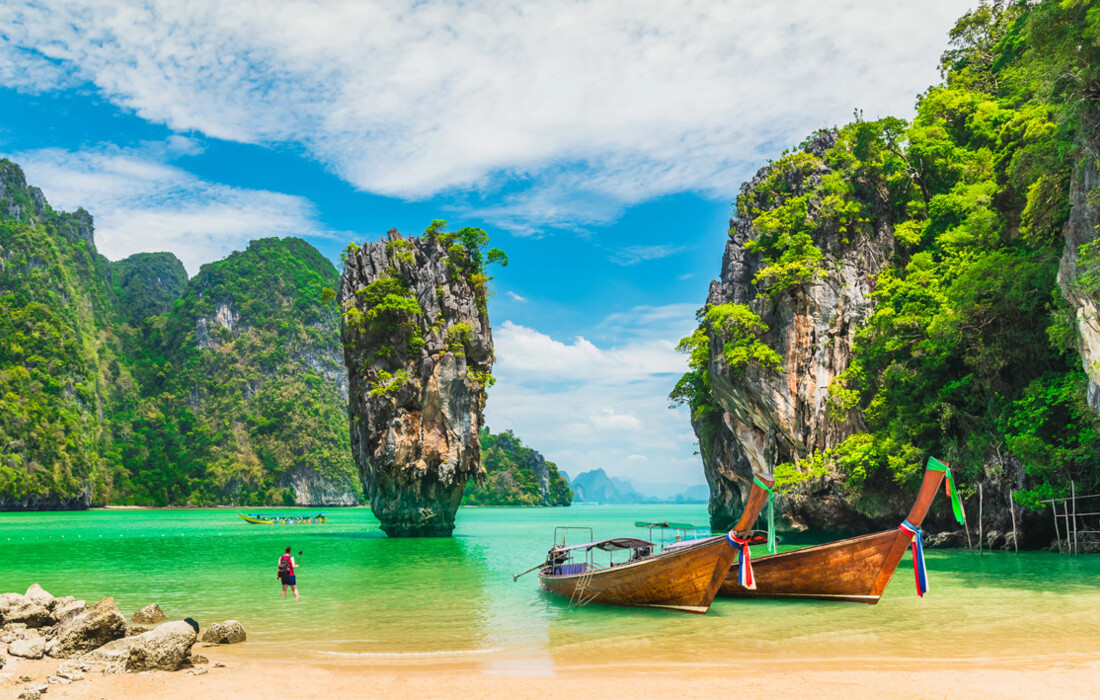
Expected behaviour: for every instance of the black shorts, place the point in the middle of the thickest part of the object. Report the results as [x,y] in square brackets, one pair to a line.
[289,580]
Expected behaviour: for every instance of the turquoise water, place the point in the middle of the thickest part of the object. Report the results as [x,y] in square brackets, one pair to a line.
[367,596]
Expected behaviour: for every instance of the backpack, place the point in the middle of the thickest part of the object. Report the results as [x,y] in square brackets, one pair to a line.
[284,565]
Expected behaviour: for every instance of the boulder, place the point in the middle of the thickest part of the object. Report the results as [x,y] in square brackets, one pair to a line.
[35,594]
[28,648]
[88,630]
[8,601]
[66,610]
[135,630]
[164,648]
[28,613]
[30,694]
[149,615]
[228,632]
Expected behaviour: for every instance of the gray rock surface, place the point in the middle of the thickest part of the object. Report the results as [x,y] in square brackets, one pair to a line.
[1082,229]
[33,648]
[415,441]
[228,632]
[65,611]
[767,418]
[164,648]
[88,630]
[149,615]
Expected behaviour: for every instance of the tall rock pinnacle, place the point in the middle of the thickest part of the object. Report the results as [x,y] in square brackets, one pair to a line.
[419,353]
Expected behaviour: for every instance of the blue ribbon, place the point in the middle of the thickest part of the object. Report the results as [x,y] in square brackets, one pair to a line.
[744,562]
[919,571]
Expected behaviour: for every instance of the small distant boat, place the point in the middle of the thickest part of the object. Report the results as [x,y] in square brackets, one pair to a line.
[853,570]
[283,519]
[685,576]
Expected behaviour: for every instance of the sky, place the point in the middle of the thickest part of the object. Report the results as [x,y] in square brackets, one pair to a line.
[601,144]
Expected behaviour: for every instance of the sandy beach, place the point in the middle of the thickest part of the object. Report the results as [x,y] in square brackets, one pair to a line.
[861,678]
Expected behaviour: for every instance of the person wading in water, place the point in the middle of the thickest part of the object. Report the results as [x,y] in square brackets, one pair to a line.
[285,573]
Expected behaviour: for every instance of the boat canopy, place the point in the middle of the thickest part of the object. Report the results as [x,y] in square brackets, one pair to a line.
[284,515]
[667,525]
[611,545]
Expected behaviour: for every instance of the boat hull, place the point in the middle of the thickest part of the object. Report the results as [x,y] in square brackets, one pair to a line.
[685,579]
[854,570]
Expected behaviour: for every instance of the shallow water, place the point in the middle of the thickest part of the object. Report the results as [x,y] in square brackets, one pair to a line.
[365,596]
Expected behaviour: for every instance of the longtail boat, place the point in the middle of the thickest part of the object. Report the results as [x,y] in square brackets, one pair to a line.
[685,576]
[283,519]
[855,570]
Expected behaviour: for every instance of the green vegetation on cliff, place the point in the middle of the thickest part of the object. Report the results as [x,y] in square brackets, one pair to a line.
[244,391]
[61,370]
[970,351]
[515,475]
[123,383]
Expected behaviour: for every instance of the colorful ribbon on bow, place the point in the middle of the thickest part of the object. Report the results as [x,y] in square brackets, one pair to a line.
[949,484]
[919,572]
[771,512]
[744,568]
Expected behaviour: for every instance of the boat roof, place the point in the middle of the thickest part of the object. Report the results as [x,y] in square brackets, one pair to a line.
[310,514]
[667,525]
[613,544]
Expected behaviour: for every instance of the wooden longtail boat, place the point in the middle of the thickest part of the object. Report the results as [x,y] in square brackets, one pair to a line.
[283,519]
[855,570]
[683,577]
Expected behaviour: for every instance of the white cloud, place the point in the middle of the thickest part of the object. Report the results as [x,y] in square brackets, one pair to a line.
[142,204]
[632,255]
[516,297]
[608,419]
[586,406]
[594,104]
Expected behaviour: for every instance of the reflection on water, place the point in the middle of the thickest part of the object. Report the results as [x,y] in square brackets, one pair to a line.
[452,600]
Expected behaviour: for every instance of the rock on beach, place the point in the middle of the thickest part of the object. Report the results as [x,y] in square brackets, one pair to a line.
[149,615]
[164,648]
[228,632]
[33,648]
[91,629]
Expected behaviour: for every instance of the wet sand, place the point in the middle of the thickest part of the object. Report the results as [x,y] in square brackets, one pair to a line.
[789,677]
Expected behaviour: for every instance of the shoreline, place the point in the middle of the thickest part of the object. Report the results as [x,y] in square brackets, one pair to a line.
[245,677]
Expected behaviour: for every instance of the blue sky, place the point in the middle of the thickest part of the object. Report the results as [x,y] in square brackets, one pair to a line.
[601,146]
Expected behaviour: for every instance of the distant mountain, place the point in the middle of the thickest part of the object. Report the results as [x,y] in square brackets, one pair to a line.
[596,486]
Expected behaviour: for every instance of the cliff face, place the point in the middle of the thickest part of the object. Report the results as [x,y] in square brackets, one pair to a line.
[419,352]
[1082,229]
[60,375]
[766,417]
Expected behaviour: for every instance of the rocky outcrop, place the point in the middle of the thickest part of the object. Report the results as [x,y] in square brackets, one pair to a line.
[419,350]
[1083,228]
[228,632]
[49,501]
[765,418]
[312,490]
[149,615]
[96,626]
[166,648]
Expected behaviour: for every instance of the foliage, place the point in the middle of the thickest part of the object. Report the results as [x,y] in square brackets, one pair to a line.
[512,475]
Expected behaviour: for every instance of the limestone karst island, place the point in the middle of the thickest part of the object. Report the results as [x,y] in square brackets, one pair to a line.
[466,350]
